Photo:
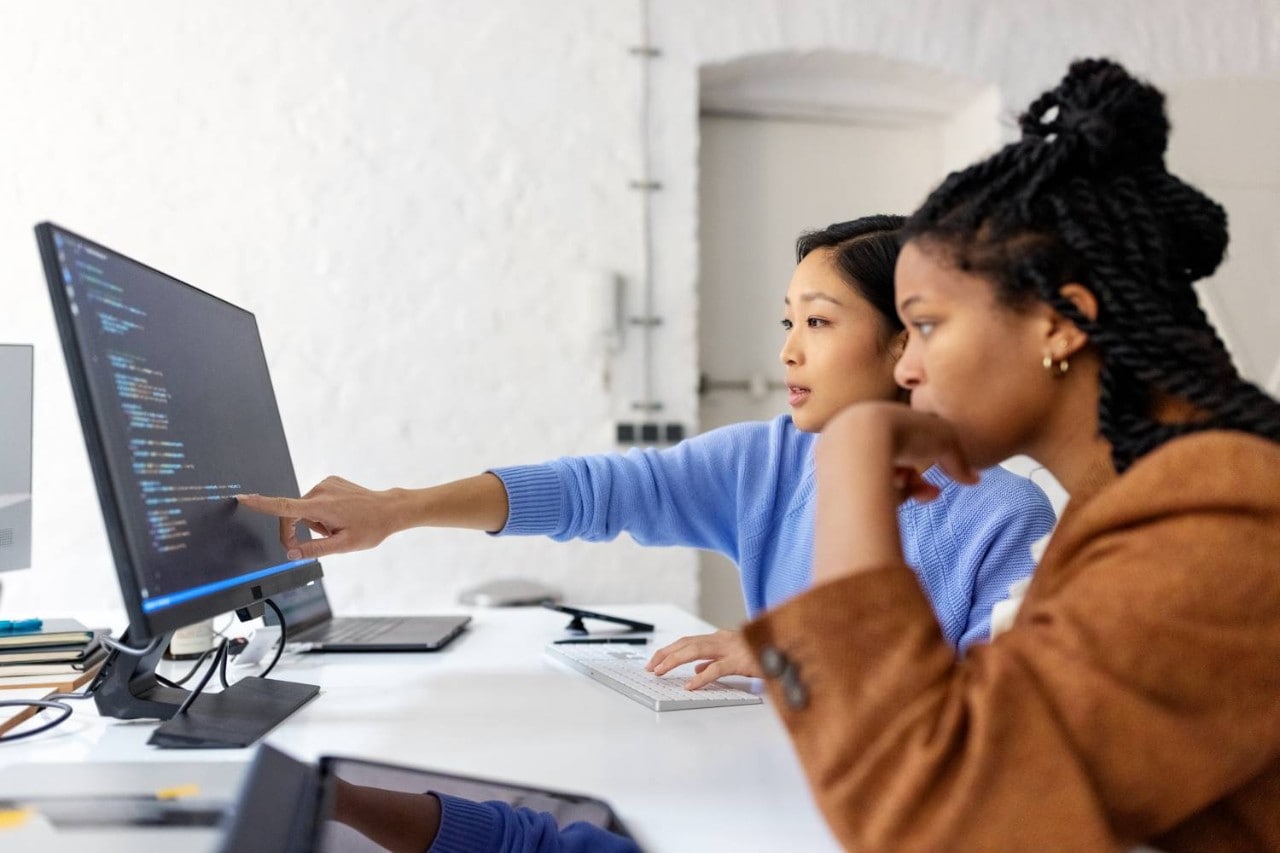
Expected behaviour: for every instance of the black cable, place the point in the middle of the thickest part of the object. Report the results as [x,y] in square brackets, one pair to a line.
[222,671]
[47,704]
[191,697]
[62,697]
[279,647]
[284,633]
[117,646]
[178,682]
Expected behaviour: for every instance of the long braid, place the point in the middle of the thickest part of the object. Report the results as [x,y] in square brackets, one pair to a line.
[1084,196]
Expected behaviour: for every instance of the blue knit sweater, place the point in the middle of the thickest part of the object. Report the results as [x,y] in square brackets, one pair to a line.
[747,490]
[467,826]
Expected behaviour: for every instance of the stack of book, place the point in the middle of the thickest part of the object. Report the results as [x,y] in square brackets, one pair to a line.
[60,654]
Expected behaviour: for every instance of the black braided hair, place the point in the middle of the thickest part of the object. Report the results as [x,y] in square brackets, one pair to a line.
[865,251]
[1084,196]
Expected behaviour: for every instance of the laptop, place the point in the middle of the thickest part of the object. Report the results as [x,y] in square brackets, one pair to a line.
[313,627]
[314,824]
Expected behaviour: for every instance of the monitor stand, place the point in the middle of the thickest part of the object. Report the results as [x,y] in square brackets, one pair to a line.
[235,717]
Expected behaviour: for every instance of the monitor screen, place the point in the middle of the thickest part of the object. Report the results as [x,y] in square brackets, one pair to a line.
[179,416]
[16,362]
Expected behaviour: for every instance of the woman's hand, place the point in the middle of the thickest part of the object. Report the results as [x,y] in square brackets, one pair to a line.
[870,458]
[722,653]
[349,517]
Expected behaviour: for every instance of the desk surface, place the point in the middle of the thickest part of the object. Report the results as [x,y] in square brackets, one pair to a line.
[492,704]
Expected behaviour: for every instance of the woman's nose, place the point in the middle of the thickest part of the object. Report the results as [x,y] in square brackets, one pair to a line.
[790,353]
[907,371]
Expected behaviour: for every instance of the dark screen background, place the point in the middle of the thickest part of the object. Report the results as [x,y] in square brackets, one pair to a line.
[187,414]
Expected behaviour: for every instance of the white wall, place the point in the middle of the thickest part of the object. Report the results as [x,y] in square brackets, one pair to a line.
[1226,141]
[421,200]
[415,199]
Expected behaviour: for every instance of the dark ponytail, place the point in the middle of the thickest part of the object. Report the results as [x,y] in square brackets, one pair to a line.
[1084,196]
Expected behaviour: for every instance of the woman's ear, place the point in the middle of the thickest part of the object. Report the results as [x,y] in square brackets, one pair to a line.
[1081,297]
[1068,338]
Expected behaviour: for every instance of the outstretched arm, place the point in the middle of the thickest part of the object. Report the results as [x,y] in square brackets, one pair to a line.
[352,518]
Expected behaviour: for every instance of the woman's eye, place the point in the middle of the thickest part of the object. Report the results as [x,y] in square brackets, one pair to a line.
[816,322]
[924,327]
[786,325]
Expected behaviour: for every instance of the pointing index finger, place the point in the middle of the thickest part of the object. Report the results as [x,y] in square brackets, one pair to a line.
[279,507]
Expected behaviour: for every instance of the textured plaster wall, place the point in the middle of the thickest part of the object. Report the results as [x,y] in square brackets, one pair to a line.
[423,203]
[416,199]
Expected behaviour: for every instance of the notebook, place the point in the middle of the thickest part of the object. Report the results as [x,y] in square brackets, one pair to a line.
[63,668]
[313,627]
[51,632]
[58,683]
[45,654]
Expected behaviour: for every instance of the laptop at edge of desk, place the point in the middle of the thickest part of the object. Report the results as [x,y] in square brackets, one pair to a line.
[310,621]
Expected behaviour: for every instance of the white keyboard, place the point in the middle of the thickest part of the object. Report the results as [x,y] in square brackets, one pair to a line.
[622,668]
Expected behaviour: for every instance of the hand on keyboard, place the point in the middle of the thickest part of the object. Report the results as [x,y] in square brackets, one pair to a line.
[722,653]
[623,669]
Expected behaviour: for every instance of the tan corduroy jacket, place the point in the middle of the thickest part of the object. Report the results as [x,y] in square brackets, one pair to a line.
[1136,699]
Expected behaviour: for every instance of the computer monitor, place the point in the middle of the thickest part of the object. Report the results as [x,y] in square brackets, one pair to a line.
[179,416]
[16,363]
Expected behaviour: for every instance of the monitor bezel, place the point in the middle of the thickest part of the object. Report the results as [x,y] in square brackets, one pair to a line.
[143,626]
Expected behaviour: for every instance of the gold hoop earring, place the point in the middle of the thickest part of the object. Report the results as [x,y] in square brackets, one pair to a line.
[1058,370]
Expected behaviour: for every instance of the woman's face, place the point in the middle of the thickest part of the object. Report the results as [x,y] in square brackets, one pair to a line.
[970,359]
[834,350]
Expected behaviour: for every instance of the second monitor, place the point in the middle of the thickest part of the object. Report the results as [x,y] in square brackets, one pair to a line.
[16,371]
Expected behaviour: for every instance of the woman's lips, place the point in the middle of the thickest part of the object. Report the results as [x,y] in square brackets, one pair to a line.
[797,395]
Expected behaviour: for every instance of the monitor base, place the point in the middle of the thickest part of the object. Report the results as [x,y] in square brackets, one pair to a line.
[235,717]
[127,688]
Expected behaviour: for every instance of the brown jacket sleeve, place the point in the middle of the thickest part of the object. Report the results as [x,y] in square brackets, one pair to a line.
[1139,686]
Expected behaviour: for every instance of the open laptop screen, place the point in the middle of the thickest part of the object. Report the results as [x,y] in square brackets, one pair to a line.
[304,606]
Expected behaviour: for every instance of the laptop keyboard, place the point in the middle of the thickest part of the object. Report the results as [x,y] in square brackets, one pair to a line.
[357,629]
[622,669]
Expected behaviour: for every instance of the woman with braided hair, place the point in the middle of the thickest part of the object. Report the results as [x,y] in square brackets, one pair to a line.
[1135,697]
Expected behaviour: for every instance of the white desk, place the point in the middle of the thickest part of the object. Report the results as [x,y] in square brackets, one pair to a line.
[493,705]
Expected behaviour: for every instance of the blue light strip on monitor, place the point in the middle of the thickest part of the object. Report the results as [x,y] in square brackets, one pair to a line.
[161,602]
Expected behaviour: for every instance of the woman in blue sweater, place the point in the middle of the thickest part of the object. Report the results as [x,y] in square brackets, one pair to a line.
[745,490]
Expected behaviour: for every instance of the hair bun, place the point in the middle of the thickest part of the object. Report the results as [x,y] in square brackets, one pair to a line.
[1113,120]
[1195,228]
